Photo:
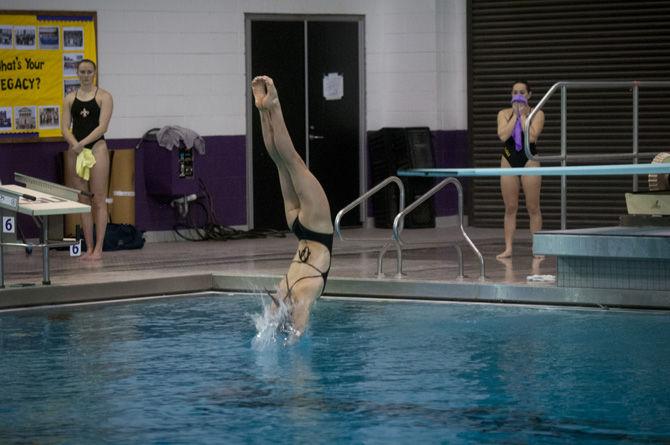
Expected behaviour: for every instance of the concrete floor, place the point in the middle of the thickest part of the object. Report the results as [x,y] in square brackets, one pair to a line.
[428,255]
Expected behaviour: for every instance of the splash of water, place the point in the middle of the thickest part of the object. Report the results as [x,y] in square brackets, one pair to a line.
[267,324]
[273,325]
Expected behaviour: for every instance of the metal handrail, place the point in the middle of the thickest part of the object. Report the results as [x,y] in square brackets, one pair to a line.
[398,223]
[358,201]
[563,86]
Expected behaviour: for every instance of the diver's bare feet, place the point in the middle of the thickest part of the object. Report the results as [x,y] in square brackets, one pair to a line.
[506,254]
[93,256]
[509,268]
[507,261]
[265,93]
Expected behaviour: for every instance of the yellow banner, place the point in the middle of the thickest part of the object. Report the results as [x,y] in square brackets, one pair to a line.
[38,59]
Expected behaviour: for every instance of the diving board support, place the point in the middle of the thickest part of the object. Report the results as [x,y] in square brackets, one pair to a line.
[40,204]
[634,155]
[564,152]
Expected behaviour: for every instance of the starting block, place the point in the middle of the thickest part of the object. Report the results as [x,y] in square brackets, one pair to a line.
[39,199]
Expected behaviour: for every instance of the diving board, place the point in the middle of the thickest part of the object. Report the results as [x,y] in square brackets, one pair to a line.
[580,170]
[39,199]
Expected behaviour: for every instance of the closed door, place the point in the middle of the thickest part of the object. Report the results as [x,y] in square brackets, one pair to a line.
[315,65]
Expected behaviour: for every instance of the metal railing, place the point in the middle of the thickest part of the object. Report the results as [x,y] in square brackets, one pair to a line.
[398,223]
[563,87]
[392,241]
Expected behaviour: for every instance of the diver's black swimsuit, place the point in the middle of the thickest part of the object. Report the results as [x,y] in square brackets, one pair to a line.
[303,233]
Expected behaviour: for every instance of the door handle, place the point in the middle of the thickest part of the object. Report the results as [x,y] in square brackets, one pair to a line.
[315,137]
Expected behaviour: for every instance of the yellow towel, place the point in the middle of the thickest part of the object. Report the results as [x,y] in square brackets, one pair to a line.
[85,160]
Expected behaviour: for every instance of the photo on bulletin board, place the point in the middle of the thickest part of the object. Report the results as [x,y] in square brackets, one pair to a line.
[70,86]
[39,53]
[49,37]
[73,39]
[70,61]
[5,36]
[25,118]
[49,116]
[24,37]
[5,118]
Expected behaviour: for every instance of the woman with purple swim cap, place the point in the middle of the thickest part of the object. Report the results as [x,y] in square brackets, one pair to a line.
[511,122]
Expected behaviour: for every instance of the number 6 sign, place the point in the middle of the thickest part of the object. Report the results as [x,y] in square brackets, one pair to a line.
[75,249]
[7,224]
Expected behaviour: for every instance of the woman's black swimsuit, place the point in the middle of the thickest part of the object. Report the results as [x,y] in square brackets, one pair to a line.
[303,233]
[516,158]
[85,118]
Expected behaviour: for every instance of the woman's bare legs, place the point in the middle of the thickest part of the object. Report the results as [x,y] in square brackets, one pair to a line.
[98,186]
[291,200]
[509,185]
[303,194]
[75,181]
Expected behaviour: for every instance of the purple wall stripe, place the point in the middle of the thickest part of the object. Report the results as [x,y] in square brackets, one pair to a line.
[221,171]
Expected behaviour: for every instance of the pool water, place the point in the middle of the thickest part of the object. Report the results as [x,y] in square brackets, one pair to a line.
[186,370]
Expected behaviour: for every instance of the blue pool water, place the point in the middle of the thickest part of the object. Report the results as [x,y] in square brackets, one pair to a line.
[185,371]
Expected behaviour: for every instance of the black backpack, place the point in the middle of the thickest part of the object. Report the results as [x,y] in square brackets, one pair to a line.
[119,237]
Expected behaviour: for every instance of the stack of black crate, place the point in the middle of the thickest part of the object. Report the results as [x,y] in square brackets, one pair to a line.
[391,149]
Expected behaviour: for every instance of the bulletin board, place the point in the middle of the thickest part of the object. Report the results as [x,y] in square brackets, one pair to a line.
[39,53]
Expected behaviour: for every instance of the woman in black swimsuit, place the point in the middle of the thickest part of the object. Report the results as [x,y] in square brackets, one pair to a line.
[509,120]
[86,116]
[307,213]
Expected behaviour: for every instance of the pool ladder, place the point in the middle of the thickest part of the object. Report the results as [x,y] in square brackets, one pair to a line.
[399,221]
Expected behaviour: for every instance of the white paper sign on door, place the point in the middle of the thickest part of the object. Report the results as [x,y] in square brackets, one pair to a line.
[333,86]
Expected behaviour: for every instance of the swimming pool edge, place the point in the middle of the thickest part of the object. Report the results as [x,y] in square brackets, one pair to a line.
[41,295]
[483,292]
